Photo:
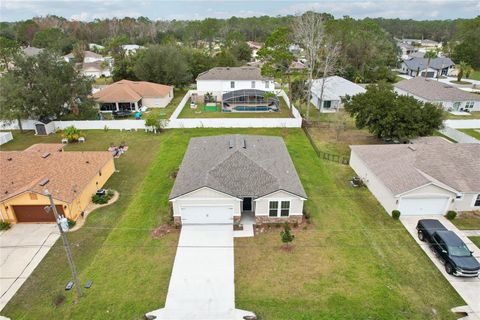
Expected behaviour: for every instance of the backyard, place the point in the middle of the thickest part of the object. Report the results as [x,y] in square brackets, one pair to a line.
[353,262]
[188,112]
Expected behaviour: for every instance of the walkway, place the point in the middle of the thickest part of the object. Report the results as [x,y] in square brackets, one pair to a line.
[202,283]
[467,288]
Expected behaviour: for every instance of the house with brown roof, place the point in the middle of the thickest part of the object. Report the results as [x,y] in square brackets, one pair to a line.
[428,177]
[443,94]
[70,177]
[126,95]
[96,69]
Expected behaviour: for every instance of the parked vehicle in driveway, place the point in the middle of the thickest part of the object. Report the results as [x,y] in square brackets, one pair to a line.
[456,256]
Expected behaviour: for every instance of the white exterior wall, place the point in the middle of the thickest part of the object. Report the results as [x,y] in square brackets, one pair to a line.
[376,187]
[222,86]
[5,137]
[262,204]
[157,102]
[205,196]
[466,203]
[335,104]
[92,59]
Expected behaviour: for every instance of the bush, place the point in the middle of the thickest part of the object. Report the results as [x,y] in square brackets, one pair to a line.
[395,214]
[286,235]
[451,215]
[71,223]
[97,199]
[72,134]
[5,225]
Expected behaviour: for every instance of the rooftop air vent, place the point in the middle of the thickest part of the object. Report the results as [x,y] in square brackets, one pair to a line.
[230,144]
[43,182]
[412,148]
[45,155]
[9,159]
[244,144]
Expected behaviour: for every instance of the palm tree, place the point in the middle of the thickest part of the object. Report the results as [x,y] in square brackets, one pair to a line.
[462,69]
[429,55]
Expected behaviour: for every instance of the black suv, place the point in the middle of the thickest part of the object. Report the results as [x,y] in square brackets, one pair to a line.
[449,247]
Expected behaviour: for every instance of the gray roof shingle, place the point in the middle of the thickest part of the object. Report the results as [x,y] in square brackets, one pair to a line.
[434,90]
[435,63]
[404,167]
[233,73]
[261,168]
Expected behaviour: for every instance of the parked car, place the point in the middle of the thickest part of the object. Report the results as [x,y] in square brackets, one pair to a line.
[456,256]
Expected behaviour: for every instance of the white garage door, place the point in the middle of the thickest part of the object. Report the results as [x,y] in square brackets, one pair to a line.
[423,206]
[207,214]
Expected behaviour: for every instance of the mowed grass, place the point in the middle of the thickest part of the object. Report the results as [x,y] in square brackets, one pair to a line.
[472,132]
[476,241]
[188,112]
[473,115]
[355,262]
[468,221]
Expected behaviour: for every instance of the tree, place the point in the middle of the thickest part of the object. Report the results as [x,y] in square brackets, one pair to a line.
[388,115]
[123,68]
[44,86]
[468,39]
[309,33]
[429,55]
[163,64]
[463,69]
[54,39]
[226,59]
[79,51]
[242,52]
[286,235]
[8,50]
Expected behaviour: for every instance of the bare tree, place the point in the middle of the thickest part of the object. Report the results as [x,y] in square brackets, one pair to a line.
[309,31]
[328,65]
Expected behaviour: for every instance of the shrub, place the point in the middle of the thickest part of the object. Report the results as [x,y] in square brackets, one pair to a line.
[395,214]
[71,223]
[5,225]
[286,235]
[306,213]
[451,215]
[97,199]
[72,134]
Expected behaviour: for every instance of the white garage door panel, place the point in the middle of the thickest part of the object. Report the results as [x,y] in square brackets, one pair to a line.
[207,214]
[423,206]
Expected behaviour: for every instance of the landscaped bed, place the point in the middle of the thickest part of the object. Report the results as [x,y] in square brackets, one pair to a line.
[468,221]
[353,262]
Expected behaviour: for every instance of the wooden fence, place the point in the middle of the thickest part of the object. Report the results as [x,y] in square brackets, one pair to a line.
[324,155]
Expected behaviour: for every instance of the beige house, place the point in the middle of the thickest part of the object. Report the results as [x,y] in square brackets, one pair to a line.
[70,177]
[133,95]
[426,178]
[224,178]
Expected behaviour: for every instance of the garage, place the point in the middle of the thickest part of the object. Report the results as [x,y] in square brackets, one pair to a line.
[423,206]
[198,214]
[430,74]
[35,213]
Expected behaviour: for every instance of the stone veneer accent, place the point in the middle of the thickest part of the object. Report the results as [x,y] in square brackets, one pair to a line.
[259,220]
[177,221]
[236,219]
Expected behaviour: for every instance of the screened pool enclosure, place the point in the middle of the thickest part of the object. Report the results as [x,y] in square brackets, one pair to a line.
[249,100]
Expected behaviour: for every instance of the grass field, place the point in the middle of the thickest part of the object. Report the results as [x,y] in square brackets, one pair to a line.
[473,115]
[469,221]
[188,112]
[472,132]
[354,262]
[475,75]
[475,240]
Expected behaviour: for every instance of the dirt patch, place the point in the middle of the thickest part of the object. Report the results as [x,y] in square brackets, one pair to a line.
[286,247]
[163,230]
[277,227]
[468,215]
[92,207]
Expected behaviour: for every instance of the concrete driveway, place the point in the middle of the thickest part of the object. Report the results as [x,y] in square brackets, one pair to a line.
[22,249]
[467,288]
[202,283]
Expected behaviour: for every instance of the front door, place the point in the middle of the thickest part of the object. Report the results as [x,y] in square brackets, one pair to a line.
[247,204]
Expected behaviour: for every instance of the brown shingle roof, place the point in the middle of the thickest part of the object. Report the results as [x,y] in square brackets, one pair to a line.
[434,90]
[131,91]
[405,167]
[67,172]
[46,147]
[232,73]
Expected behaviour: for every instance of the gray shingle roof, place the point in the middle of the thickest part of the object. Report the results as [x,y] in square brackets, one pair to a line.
[261,168]
[434,90]
[401,168]
[421,63]
[233,73]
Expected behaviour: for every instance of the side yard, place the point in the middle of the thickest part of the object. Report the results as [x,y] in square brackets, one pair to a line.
[353,255]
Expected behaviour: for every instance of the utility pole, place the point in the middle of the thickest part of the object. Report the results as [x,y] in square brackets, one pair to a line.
[66,245]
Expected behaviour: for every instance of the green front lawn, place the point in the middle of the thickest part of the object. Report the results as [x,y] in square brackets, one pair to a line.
[188,112]
[468,221]
[354,262]
[473,115]
[475,240]
[475,75]
[472,132]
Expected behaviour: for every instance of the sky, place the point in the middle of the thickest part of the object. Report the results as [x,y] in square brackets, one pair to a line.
[87,10]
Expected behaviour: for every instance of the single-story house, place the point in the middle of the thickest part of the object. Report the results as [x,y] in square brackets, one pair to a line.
[31,51]
[131,48]
[132,95]
[430,90]
[94,46]
[88,57]
[70,177]
[224,177]
[425,178]
[254,46]
[96,69]
[418,66]
[334,89]
[406,49]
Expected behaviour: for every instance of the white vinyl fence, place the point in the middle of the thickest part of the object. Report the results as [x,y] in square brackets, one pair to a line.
[463,124]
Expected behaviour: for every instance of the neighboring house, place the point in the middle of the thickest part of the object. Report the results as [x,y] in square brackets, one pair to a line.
[426,178]
[418,66]
[96,69]
[224,177]
[94,46]
[5,136]
[335,88]
[131,48]
[88,57]
[31,51]
[71,177]
[132,95]
[406,50]
[430,90]
[427,43]
[295,48]
[297,65]
[254,46]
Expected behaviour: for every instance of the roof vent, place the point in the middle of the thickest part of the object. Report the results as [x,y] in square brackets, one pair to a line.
[9,159]
[231,144]
[45,155]
[412,148]
[244,143]
[87,162]
[43,182]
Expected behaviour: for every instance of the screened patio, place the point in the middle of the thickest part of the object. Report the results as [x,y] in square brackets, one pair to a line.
[249,100]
